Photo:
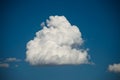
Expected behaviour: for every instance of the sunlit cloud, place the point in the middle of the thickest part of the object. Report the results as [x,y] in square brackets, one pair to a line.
[58,43]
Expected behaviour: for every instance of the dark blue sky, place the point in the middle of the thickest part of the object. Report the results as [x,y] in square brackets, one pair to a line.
[98,21]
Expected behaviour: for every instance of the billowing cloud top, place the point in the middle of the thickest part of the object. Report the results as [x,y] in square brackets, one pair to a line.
[58,43]
[114,68]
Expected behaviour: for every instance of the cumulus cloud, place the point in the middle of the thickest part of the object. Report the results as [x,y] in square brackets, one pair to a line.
[58,43]
[4,65]
[12,60]
[114,67]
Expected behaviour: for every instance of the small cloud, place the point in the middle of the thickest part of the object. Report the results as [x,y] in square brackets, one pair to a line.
[114,68]
[4,65]
[16,65]
[42,24]
[12,60]
[7,61]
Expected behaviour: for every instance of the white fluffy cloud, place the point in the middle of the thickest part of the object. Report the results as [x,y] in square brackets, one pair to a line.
[4,65]
[58,43]
[114,68]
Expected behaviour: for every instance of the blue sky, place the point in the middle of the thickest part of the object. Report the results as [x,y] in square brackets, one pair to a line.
[98,21]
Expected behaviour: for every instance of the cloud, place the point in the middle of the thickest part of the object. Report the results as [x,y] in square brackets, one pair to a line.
[114,68]
[16,65]
[7,61]
[4,65]
[58,43]
[12,60]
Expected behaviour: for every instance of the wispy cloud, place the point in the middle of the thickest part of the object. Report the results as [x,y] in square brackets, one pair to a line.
[4,65]
[12,60]
[16,65]
[58,43]
[114,68]
[7,61]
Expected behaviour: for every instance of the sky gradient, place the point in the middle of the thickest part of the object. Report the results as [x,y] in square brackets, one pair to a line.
[98,21]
